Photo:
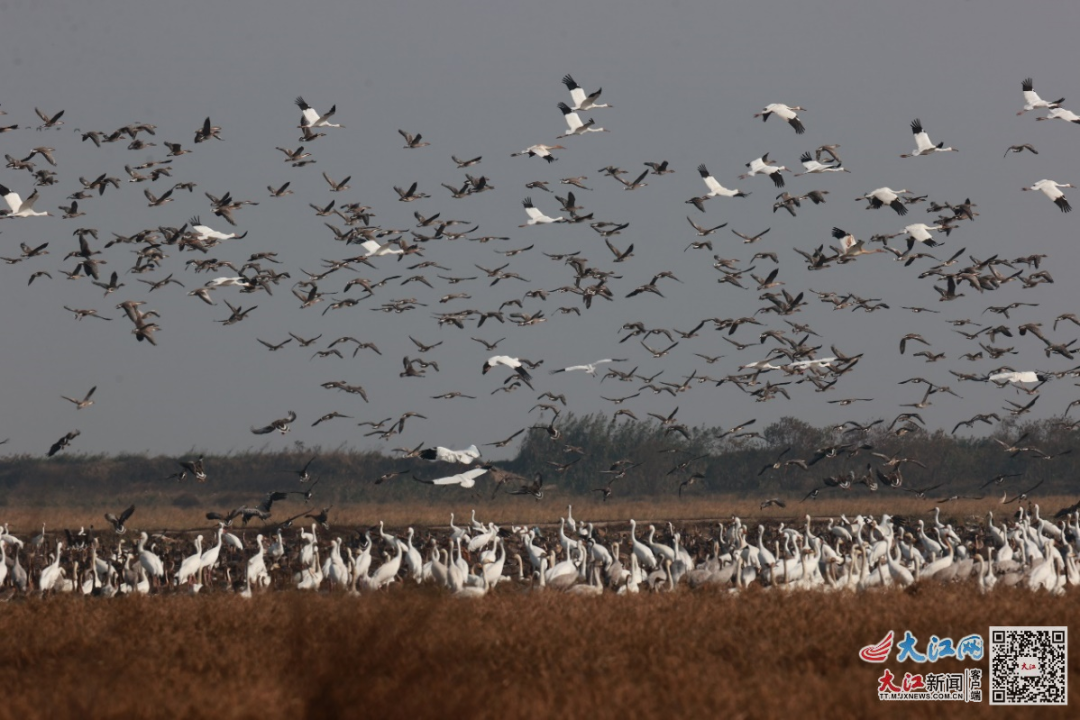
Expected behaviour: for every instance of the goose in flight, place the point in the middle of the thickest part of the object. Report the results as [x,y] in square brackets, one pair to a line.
[762,166]
[281,425]
[1032,101]
[535,216]
[574,124]
[48,121]
[513,363]
[784,112]
[312,119]
[923,146]
[580,99]
[534,488]
[17,206]
[715,188]
[466,163]
[588,367]
[1021,148]
[410,194]
[465,457]
[195,467]
[207,131]
[118,522]
[412,141]
[63,442]
[1051,190]
[703,231]
[465,479]
[85,402]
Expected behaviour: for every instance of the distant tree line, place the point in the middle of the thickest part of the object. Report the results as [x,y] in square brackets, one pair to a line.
[586,456]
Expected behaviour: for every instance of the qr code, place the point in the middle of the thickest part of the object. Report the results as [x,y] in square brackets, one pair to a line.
[1028,664]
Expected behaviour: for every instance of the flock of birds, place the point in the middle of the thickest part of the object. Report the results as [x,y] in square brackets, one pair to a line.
[396,257]
[576,557]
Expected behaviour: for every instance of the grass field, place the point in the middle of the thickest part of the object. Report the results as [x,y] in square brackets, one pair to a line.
[152,514]
[417,653]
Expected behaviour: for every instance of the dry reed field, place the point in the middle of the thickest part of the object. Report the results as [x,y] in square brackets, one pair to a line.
[414,652]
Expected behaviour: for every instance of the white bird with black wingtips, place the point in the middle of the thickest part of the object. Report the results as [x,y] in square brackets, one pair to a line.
[511,362]
[1050,189]
[465,457]
[536,217]
[18,206]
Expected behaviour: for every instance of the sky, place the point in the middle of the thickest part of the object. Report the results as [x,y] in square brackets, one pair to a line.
[482,78]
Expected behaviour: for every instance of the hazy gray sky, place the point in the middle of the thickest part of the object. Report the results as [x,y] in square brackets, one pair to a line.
[483,78]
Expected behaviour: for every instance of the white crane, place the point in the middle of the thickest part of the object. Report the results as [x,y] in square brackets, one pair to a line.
[388,571]
[1032,100]
[642,552]
[580,99]
[540,151]
[465,457]
[920,232]
[206,232]
[923,146]
[536,217]
[374,249]
[18,206]
[588,367]
[813,166]
[210,556]
[763,166]
[1061,114]
[1023,376]
[511,362]
[313,119]
[1050,189]
[191,564]
[256,566]
[715,188]
[466,479]
[574,124]
[784,112]
[51,574]
[886,196]
[149,561]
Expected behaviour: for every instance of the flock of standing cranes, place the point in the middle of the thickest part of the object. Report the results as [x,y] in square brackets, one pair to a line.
[379,260]
[577,557]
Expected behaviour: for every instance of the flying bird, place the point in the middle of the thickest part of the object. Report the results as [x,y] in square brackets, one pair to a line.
[784,112]
[923,146]
[465,479]
[85,402]
[281,425]
[1050,189]
[588,367]
[1032,101]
